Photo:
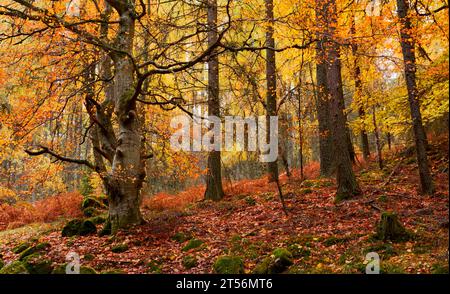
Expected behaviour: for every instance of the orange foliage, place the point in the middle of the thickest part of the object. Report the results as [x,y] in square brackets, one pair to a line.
[163,201]
[50,209]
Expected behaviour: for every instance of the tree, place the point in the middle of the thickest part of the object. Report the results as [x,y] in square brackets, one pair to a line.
[346,180]
[271,80]
[409,59]
[323,101]
[214,190]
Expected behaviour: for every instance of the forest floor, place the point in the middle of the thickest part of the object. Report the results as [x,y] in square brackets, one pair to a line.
[323,237]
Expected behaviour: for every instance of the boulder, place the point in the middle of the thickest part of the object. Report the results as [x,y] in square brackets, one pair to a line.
[37,264]
[229,265]
[15,267]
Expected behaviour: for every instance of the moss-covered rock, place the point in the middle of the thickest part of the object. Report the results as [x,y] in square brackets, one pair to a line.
[21,247]
[181,237]
[37,264]
[276,263]
[91,202]
[71,228]
[250,200]
[194,243]
[87,227]
[34,249]
[190,261]
[390,228]
[90,212]
[106,230]
[78,227]
[84,270]
[98,219]
[113,272]
[119,248]
[229,265]
[2,264]
[15,267]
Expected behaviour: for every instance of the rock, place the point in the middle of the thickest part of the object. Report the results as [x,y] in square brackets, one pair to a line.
[87,227]
[276,263]
[21,247]
[98,219]
[34,249]
[194,243]
[71,228]
[91,202]
[78,227]
[36,264]
[84,270]
[106,230]
[189,261]
[229,265]
[90,212]
[15,267]
[119,248]
[390,228]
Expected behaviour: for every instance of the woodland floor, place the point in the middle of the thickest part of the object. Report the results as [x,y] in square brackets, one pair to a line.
[326,237]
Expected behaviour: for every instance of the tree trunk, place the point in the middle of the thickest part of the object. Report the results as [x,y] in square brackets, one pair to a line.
[358,91]
[323,101]
[271,98]
[124,183]
[214,188]
[409,59]
[346,180]
[377,138]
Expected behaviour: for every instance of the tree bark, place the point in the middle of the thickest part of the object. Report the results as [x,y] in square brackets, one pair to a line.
[409,59]
[346,180]
[271,79]
[124,183]
[214,188]
[357,97]
[323,101]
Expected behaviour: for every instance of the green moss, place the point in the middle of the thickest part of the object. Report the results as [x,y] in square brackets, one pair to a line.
[335,240]
[439,268]
[98,219]
[114,272]
[194,243]
[383,198]
[154,267]
[119,248]
[2,264]
[383,249]
[299,251]
[390,228]
[71,228]
[106,230]
[181,237]
[21,247]
[284,255]
[91,202]
[263,267]
[43,246]
[84,270]
[305,191]
[90,212]
[37,264]
[229,265]
[389,268]
[250,200]
[27,252]
[89,257]
[15,267]
[87,227]
[190,261]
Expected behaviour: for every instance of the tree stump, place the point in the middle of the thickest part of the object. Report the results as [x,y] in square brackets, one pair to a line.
[390,228]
